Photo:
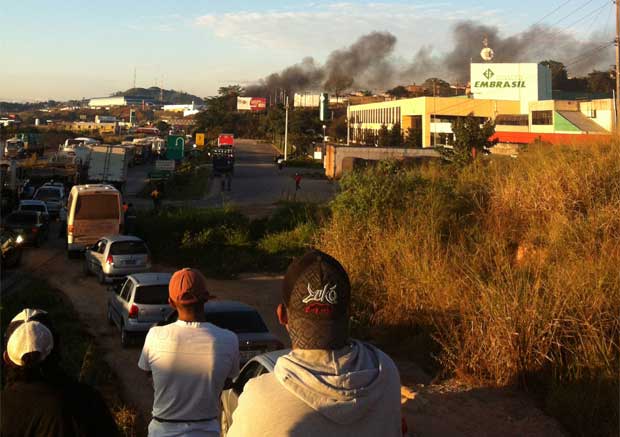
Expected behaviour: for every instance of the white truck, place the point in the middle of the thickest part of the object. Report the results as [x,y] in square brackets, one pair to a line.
[109,163]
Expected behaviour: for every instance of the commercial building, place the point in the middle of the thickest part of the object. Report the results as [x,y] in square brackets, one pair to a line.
[107,102]
[186,109]
[518,97]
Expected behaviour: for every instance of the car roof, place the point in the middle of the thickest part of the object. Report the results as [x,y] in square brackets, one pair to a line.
[94,187]
[151,278]
[25,213]
[217,306]
[118,238]
[268,359]
[32,202]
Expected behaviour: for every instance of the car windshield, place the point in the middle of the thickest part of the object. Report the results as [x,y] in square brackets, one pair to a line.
[239,322]
[151,295]
[32,208]
[47,194]
[18,218]
[128,248]
[97,206]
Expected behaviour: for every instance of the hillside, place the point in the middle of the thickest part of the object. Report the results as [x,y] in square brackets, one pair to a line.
[170,96]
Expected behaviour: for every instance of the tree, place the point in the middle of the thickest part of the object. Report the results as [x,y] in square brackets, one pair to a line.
[559,75]
[471,135]
[413,138]
[383,137]
[338,128]
[396,136]
[399,92]
[441,87]
[601,81]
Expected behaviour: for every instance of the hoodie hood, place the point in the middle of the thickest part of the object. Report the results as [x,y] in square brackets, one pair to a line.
[342,385]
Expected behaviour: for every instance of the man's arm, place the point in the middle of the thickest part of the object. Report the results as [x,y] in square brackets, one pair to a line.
[144,361]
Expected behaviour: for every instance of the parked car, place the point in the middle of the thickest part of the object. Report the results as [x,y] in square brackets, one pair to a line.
[11,246]
[30,225]
[34,205]
[53,194]
[115,257]
[139,303]
[243,320]
[256,366]
[92,211]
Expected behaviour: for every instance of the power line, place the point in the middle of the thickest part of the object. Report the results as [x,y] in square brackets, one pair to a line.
[551,13]
[574,11]
[588,54]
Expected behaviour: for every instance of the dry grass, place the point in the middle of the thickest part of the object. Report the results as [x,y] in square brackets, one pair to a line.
[513,264]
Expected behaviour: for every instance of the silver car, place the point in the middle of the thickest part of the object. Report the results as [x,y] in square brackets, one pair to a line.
[137,304]
[114,257]
[53,194]
[257,366]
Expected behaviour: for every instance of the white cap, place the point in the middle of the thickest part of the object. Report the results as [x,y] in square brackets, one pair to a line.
[29,336]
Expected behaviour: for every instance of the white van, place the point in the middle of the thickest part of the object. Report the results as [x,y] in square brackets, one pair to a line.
[92,211]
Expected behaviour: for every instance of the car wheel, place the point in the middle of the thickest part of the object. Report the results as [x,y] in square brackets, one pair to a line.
[101,276]
[110,319]
[125,340]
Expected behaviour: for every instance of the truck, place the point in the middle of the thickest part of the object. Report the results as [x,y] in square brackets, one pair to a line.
[223,160]
[109,163]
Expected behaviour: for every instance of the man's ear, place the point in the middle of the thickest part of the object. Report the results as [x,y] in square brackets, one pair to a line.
[171,303]
[282,314]
[7,360]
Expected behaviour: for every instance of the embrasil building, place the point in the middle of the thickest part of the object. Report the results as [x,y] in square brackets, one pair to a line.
[518,97]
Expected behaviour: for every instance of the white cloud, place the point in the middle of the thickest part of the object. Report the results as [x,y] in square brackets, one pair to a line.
[317,28]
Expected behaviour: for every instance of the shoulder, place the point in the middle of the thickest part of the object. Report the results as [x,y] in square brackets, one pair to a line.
[263,386]
[222,334]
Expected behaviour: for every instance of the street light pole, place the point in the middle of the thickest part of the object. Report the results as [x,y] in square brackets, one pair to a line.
[348,122]
[286,130]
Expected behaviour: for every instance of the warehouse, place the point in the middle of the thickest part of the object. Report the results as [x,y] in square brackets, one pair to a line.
[107,102]
[518,97]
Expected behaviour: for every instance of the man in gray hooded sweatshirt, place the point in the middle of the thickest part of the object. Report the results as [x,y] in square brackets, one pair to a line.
[329,384]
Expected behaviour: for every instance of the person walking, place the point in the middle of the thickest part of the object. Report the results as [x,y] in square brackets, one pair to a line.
[39,398]
[297,181]
[329,384]
[156,196]
[190,361]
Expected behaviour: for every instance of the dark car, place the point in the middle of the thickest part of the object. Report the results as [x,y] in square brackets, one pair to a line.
[11,246]
[30,225]
[243,320]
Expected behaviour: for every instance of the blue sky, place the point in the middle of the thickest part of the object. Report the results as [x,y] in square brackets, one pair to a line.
[73,49]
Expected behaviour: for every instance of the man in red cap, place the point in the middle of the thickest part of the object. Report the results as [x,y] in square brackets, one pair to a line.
[190,361]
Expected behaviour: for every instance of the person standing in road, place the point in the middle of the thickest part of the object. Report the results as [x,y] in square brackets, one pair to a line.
[39,398]
[190,361]
[297,181]
[156,196]
[329,384]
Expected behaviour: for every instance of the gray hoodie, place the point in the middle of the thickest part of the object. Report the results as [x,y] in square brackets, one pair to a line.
[354,391]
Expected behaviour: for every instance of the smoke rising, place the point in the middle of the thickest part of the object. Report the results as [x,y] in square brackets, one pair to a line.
[369,63]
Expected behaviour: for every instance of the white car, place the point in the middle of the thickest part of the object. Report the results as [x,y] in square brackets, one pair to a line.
[115,257]
[53,194]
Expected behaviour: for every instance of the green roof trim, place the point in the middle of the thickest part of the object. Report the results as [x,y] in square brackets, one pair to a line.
[562,124]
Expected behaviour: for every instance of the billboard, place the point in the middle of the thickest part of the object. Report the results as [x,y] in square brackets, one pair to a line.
[200,140]
[522,82]
[251,104]
[226,140]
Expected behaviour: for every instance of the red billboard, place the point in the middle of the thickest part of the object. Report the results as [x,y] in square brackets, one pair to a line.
[226,140]
[251,104]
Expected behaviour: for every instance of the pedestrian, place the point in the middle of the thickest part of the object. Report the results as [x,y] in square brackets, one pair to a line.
[297,181]
[125,206]
[190,361]
[62,217]
[39,398]
[156,196]
[329,384]
[130,219]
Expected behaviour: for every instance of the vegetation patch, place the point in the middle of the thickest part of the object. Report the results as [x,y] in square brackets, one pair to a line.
[79,355]
[222,242]
[506,269]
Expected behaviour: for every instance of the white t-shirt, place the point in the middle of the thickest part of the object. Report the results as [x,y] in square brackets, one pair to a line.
[190,362]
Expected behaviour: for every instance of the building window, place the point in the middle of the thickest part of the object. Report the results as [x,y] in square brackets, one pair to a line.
[542,117]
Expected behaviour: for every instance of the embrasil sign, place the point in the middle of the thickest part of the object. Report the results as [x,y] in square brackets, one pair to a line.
[522,82]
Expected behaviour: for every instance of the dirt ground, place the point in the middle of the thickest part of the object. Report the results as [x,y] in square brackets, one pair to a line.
[446,409]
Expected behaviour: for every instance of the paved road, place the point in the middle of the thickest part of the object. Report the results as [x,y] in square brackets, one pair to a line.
[257,183]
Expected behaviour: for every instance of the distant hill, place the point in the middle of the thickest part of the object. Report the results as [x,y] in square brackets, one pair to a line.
[171,97]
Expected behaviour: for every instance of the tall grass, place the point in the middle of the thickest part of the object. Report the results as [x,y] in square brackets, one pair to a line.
[511,266]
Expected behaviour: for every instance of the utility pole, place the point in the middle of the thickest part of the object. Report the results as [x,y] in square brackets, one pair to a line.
[348,122]
[286,130]
[617,2]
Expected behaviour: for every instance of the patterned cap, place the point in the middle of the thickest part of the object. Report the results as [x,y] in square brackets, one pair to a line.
[316,293]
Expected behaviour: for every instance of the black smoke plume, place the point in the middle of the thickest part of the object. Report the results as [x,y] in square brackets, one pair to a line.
[369,63]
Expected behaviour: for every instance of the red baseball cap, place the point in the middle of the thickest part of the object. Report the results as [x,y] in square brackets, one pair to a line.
[188,286]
